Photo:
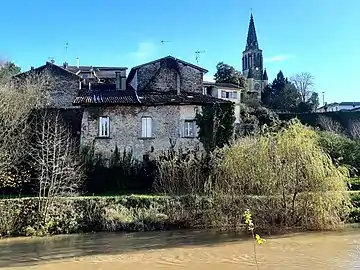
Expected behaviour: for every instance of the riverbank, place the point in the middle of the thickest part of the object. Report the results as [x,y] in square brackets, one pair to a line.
[136,213]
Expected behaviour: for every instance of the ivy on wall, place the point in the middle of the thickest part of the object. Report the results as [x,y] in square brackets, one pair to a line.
[216,125]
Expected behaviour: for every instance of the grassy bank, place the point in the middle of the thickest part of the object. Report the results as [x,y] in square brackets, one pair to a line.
[148,213]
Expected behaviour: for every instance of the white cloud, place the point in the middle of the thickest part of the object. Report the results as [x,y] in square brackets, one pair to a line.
[145,50]
[279,58]
[209,78]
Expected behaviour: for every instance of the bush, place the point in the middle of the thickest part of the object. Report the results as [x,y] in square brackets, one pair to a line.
[354,184]
[291,166]
[342,150]
[121,174]
[182,173]
[285,173]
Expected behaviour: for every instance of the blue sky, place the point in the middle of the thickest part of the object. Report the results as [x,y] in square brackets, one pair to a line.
[317,36]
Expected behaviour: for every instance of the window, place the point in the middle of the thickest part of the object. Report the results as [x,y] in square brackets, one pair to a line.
[189,128]
[223,94]
[104,126]
[234,95]
[146,127]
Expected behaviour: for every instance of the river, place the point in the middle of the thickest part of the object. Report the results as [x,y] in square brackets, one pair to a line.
[198,250]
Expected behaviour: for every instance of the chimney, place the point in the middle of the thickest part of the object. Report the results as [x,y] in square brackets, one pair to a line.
[178,83]
[65,65]
[32,68]
[119,85]
[77,62]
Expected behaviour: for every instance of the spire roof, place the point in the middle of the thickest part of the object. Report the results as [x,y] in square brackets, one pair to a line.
[251,42]
[265,76]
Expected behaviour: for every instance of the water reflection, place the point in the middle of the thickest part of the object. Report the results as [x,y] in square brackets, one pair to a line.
[185,249]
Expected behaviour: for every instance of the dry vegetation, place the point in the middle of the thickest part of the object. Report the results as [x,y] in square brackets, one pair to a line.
[286,174]
[33,138]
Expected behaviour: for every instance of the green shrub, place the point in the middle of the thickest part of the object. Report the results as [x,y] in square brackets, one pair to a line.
[290,165]
[354,184]
[342,150]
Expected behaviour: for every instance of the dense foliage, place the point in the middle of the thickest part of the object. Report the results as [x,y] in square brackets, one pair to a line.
[216,124]
[283,96]
[228,74]
[288,169]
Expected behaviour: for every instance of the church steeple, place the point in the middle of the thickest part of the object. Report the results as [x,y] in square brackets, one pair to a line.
[252,62]
[251,42]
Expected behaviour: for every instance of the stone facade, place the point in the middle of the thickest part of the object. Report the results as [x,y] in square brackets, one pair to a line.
[126,129]
[63,85]
[64,90]
[167,74]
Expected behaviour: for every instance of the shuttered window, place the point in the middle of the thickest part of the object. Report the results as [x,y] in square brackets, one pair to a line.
[104,126]
[146,127]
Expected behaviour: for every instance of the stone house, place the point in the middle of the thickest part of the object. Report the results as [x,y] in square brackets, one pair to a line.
[62,87]
[227,91]
[154,112]
[63,84]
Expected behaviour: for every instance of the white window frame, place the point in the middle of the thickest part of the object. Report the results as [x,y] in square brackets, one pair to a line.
[146,127]
[189,129]
[234,94]
[104,126]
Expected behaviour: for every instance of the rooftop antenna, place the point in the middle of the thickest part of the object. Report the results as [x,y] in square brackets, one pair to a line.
[51,60]
[197,55]
[164,41]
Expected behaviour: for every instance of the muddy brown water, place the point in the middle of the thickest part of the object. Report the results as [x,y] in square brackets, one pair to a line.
[198,250]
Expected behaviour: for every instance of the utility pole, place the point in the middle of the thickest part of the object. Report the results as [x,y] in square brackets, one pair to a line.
[66,51]
[197,55]
[323,97]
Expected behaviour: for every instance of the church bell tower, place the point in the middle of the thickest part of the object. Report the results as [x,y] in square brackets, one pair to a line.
[252,62]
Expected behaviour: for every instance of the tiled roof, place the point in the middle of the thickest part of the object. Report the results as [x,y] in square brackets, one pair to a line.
[48,65]
[222,85]
[93,68]
[130,97]
[175,59]
[106,97]
[347,103]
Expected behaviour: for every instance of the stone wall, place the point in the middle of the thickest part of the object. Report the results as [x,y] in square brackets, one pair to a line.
[63,88]
[162,76]
[125,129]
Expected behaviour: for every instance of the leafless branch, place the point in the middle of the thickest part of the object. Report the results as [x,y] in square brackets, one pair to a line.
[354,129]
[17,104]
[55,159]
[304,83]
[329,124]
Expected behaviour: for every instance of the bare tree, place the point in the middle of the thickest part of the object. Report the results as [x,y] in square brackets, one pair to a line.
[354,129]
[329,124]
[56,161]
[17,104]
[304,83]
